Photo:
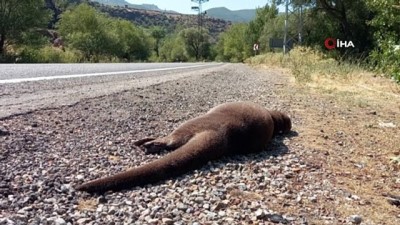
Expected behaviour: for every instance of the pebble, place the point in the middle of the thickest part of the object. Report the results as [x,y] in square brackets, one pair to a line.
[276,218]
[60,221]
[167,221]
[355,219]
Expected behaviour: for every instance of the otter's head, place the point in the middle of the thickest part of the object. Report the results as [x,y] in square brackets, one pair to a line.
[282,122]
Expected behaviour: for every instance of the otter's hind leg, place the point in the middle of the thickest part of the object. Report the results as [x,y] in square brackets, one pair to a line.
[152,145]
[142,141]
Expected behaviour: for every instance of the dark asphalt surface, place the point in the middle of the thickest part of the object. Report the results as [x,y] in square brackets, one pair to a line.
[15,71]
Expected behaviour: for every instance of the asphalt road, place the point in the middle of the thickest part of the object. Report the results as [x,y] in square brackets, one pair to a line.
[14,73]
[28,87]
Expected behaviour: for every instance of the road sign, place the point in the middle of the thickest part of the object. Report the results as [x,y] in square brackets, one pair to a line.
[255,47]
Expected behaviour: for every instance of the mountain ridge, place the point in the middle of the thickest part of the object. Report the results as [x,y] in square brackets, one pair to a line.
[242,15]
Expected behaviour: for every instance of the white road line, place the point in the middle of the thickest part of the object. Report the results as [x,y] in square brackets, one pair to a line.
[19,80]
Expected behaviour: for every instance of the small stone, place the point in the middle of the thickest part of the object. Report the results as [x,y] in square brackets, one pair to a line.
[4,133]
[112,210]
[128,202]
[60,221]
[199,200]
[221,205]
[146,212]
[364,202]
[182,206]
[355,219]
[276,218]
[153,221]
[6,221]
[229,220]
[206,206]
[80,177]
[167,221]
[313,199]
[260,214]
[298,198]
[387,125]
[101,200]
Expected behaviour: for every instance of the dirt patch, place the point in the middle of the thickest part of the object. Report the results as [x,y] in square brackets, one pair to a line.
[351,129]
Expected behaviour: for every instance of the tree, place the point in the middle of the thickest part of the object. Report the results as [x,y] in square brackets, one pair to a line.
[196,42]
[158,33]
[130,41]
[232,45]
[85,29]
[17,17]
[386,27]
[257,26]
[172,49]
[341,19]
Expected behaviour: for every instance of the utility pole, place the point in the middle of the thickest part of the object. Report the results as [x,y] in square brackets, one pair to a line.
[295,10]
[199,9]
[285,36]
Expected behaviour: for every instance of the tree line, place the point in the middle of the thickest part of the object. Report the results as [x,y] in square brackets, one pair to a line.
[372,26]
[83,34]
[87,35]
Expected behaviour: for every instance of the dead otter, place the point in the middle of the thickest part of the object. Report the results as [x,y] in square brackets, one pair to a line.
[230,128]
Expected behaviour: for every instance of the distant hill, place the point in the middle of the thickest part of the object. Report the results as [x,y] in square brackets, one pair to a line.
[125,3]
[244,15]
[147,17]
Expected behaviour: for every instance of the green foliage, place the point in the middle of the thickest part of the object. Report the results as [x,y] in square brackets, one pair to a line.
[261,25]
[172,49]
[48,54]
[84,28]
[33,39]
[158,33]
[232,45]
[326,27]
[99,36]
[17,17]
[386,24]
[131,42]
[196,42]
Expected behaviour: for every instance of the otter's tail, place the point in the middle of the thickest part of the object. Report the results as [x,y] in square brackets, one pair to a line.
[200,149]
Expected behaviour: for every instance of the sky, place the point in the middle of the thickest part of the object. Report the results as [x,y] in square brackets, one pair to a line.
[184,6]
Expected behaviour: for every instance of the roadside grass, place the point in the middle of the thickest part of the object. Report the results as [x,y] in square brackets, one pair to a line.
[349,123]
[87,205]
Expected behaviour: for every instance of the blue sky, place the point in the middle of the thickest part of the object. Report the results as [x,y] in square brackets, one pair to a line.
[183,6]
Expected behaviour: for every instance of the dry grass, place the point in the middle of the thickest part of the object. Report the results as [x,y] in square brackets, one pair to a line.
[87,205]
[342,112]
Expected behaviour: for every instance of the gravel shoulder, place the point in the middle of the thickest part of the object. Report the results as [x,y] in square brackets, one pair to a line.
[45,153]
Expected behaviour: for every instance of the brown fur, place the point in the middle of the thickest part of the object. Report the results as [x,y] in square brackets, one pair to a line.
[230,128]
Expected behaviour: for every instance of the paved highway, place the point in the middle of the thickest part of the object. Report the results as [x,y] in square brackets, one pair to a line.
[14,73]
[28,87]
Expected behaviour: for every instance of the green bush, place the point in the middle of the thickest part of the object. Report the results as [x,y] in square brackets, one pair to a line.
[48,54]
[101,38]
[387,60]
